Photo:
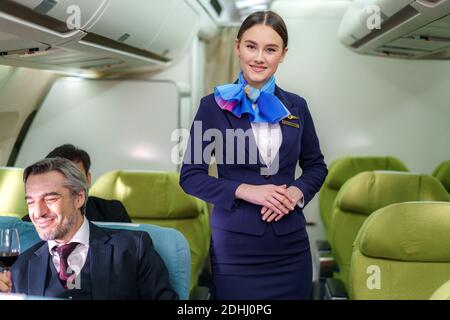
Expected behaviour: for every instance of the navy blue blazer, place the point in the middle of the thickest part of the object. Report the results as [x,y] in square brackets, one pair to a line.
[123,265]
[299,145]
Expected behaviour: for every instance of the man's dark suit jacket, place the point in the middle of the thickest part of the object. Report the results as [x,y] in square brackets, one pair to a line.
[123,265]
[98,209]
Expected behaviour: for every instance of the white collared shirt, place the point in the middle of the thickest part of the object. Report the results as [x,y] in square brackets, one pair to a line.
[268,138]
[77,258]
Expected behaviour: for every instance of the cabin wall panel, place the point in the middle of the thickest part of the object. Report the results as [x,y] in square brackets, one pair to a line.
[121,124]
[21,91]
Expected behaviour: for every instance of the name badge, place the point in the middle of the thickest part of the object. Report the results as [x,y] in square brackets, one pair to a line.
[292,124]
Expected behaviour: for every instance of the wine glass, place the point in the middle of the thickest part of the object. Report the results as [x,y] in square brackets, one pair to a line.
[9,247]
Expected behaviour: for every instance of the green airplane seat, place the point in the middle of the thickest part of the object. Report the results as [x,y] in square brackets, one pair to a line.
[367,192]
[402,252]
[12,192]
[442,173]
[342,169]
[156,198]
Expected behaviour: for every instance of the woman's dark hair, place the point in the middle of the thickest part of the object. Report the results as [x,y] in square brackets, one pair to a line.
[267,18]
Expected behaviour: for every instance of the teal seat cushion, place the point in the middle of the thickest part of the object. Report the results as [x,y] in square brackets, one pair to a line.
[168,242]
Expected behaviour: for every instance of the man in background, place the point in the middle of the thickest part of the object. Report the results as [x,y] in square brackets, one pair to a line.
[97,209]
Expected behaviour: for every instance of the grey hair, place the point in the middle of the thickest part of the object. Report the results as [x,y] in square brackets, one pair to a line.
[75,179]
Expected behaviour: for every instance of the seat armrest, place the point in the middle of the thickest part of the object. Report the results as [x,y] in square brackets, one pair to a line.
[327,264]
[335,290]
[324,265]
[323,245]
[200,293]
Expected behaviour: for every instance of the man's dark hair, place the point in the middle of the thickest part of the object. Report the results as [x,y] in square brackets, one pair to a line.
[72,153]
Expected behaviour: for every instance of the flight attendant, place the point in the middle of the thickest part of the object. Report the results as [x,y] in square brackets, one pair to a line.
[257,133]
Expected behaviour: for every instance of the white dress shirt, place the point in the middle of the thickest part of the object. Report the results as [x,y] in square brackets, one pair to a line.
[78,256]
[268,138]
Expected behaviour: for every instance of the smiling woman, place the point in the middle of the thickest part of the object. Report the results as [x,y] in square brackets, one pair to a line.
[259,246]
[261,46]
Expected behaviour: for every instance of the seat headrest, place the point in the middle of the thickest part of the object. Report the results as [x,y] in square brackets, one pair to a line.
[343,169]
[369,191]
[411,231]
[442,173]
[148,194]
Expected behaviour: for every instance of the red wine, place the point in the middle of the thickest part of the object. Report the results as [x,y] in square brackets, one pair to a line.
[7,259]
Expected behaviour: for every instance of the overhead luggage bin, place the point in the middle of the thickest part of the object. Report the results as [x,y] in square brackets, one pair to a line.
[407,29]
[102,36]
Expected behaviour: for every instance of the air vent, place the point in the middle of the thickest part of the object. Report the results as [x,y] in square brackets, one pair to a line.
[393,48]
[419,43]
[394,54]
[66,58]
[11,44]
[441,55]
[98,65]
[431,38]
[24,52]
[108,44]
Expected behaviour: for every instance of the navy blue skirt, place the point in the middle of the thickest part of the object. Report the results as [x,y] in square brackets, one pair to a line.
[267,267]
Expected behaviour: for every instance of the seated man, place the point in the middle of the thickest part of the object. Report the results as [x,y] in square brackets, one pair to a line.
[76,259]
[97,209]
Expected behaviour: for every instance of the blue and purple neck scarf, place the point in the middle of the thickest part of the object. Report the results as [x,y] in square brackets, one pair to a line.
[238,99]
